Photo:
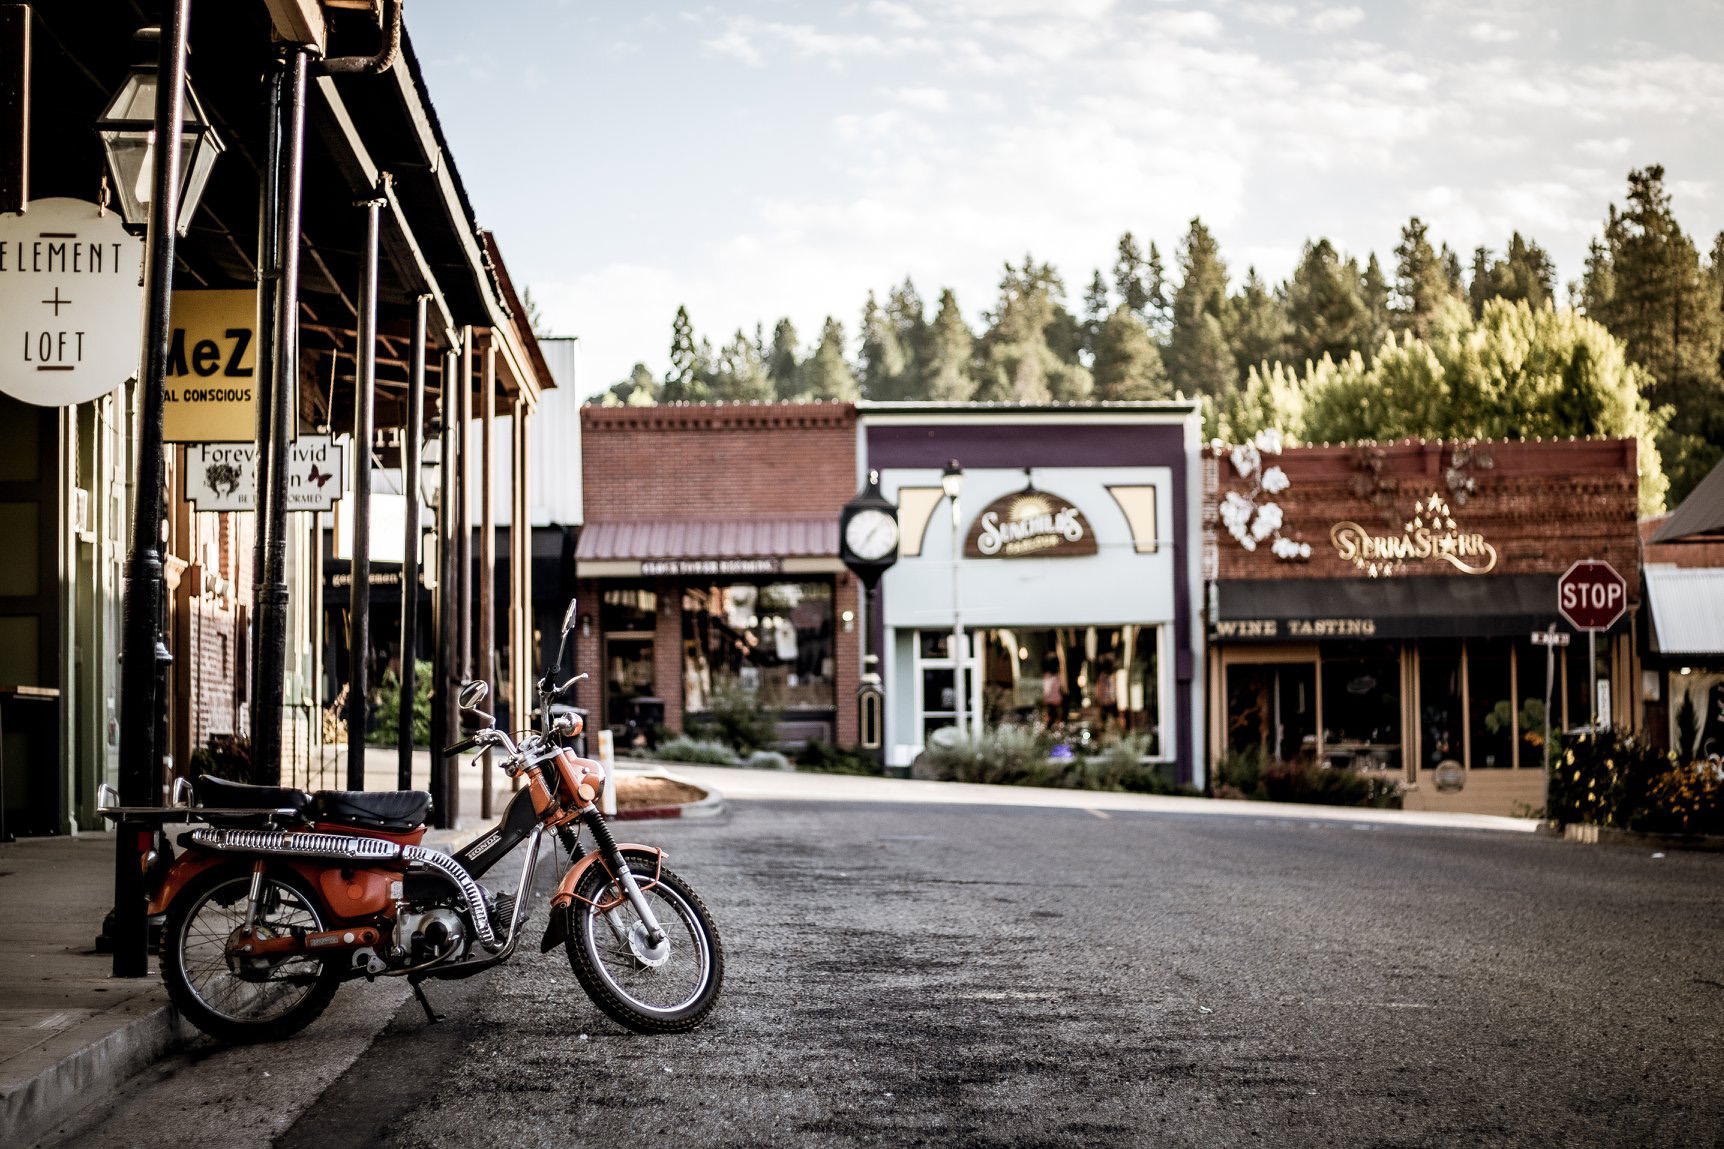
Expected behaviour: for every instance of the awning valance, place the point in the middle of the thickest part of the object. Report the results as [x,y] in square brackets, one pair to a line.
[1687,609]
[708,547]
[1303,610]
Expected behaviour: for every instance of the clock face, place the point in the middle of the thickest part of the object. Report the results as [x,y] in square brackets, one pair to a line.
[871,534]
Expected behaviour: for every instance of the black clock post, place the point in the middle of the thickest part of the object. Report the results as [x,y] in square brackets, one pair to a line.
[868,543]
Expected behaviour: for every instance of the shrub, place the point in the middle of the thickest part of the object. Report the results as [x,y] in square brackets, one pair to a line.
[1121,766]
[767,760]
[1613,779]
[387,731]
[825,758]
[742,720]
[1244,774]
[228,757]
[700,751]
[1003,755]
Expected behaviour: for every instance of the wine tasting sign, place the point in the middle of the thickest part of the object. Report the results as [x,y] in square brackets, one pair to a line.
[1030,523]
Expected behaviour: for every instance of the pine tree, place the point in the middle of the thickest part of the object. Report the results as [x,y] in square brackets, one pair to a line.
[1422,280]
[883,361]
[948,376]
[1326,306]
[740,376]
[1199,362]
[1095,310]
[1374,291]
[1526,273]
[1158,312]
[1130,276]
[1029,355]
[1127,363]
[1257,324]
[681,384]
[906,313]
[781,363]
[827,375]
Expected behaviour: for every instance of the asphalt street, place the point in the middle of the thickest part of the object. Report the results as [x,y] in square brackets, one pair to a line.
[998,976]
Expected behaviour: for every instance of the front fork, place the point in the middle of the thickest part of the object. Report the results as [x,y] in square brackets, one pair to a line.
[625,876]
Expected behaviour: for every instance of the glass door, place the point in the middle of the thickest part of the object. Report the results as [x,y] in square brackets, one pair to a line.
[936,700]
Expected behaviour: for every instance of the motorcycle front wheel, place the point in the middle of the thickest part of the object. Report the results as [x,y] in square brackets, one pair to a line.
[667,988]
[229,996]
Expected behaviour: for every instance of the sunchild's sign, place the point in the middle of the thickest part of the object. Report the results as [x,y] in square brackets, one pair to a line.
[70,320]
[1429,536]
[223,476]
[212,368]
[1029,522]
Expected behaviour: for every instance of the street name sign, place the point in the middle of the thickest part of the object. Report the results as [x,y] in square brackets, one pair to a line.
[1591,595]
[1550,637]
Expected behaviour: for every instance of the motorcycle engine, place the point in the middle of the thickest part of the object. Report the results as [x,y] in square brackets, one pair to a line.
[429,932]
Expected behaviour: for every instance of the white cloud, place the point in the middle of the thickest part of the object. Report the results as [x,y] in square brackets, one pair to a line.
[927,99]
[735,44]
[1274,15]
[1189,25]
[1611,149]
[900,16]
[1337,19]
[1486,32]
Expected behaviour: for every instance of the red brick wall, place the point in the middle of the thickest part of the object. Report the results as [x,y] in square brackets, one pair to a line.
[1542,505]
[717,461]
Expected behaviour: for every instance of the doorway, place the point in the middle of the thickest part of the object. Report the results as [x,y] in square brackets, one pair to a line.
[1272,710]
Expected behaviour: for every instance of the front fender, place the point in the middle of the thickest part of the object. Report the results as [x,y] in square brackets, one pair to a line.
[557,927]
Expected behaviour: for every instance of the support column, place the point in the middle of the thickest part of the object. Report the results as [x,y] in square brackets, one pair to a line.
[487,554]
[278,300]
[444,778]
[410,546]
[520,610]
[359,589]
[140,703]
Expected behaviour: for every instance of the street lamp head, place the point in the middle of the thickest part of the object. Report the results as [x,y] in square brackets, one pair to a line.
[952,479]
[127,127]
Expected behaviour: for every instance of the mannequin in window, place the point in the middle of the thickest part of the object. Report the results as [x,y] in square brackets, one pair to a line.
[1053,693]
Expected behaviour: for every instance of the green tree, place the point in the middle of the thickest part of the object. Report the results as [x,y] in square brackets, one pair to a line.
[1374,292]
[1199,361]
[1423,281]
[640,389]
[1158,311]
[883,360]
[1096,307]
[1131,276]
[1257,325]
[782,366]
[1029,353]
[1127,363]
[1526,272]
[1272,399]
[535,320]
[826,374]
[740,376]
[1326,306]
[907,315]
[681,382]
[948,373]
[1658,300]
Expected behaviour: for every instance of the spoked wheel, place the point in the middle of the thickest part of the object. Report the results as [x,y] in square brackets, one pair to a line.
[668,987]
[227,994]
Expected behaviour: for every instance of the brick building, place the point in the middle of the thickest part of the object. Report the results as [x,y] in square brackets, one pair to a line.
[708,568]
[1374,605]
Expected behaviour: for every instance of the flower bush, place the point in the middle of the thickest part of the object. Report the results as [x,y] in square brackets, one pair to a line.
[1608,778]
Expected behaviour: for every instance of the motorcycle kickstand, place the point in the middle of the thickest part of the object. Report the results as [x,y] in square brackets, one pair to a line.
[431,1015]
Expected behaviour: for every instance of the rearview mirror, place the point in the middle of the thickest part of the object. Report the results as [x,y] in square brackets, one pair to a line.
[473,693]
[569,616]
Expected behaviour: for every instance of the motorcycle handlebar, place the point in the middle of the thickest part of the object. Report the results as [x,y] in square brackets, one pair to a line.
[465,744]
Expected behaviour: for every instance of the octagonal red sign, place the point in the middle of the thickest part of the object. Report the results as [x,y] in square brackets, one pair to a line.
[1591,595]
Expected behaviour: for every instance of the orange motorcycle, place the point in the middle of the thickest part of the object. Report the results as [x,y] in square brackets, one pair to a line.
[283,894]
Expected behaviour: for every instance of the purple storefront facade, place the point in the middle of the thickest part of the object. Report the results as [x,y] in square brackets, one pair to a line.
[1079,588]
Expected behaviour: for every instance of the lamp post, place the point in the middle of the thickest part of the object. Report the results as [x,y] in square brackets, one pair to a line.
[952,482]
[153,194]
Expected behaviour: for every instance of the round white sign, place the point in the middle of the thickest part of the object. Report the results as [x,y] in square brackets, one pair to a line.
[71,324]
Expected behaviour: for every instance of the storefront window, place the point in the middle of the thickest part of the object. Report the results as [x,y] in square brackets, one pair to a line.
[626,608]
[1099,679]
[770,641]
[1493,716]
[1362,705]
[1529,665]
[1440,702]
[1272,710]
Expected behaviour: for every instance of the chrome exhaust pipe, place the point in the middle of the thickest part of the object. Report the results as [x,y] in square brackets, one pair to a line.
[353,848]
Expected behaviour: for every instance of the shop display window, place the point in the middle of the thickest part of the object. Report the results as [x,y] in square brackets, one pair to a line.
[1440,709]
[1493,718]
[628,609]
[1362,705]
[1088,679]
[771,641]
[1529,676]
[1272,710]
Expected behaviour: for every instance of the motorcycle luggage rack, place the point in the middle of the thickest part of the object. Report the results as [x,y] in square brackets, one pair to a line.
[193,813]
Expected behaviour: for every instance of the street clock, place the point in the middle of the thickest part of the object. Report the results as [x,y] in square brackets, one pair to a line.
[868,532]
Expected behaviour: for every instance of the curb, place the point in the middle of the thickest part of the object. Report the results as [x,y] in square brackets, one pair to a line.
[1590,835]
[90,1074]
[707,807]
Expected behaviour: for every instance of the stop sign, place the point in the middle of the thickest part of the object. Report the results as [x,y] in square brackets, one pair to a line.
[1591,595]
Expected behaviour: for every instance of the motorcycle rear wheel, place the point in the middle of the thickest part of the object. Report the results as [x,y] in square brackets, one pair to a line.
[625,977]
[224,997]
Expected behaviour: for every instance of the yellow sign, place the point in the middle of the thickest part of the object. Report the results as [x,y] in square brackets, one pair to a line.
[1430,535]
[212,368]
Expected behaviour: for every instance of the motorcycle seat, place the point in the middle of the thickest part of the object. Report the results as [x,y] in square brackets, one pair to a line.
[222,794]
[395,810]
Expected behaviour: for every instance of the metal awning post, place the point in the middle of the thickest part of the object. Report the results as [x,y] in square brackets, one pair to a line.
[410,546]
[462,587]
[278,271]
[140,763]
[359,590]
[487,553]
[443,683]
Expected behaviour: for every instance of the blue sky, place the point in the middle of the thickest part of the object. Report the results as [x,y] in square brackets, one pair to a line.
[769,158]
